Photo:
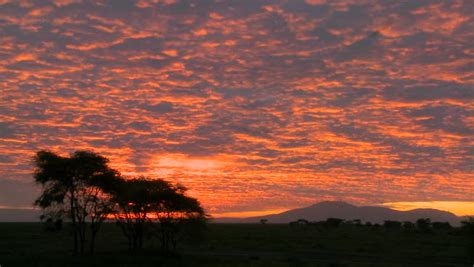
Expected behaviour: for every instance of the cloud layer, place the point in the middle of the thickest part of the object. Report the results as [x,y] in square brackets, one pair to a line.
[252,104]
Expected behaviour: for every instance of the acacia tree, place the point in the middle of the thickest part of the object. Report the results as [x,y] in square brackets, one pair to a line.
[132,207]
[98,205]
[73,186]
[154,204]
[176,216]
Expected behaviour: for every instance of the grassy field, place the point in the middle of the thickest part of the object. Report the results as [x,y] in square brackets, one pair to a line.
[26,244]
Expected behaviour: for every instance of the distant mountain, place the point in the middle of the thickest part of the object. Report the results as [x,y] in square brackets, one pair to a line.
[343,210]
[19,215]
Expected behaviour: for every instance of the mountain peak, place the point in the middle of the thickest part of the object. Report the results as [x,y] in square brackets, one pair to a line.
[333,204]
[343,210]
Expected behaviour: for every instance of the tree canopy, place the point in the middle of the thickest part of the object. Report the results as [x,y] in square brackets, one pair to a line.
[84,189]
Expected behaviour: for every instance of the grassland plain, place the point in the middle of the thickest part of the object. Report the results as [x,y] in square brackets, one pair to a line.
[27,244]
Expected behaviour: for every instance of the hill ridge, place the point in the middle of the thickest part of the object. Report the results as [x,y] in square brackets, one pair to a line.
[343,210]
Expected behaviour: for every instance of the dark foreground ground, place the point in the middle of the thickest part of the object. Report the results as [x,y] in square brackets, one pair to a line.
[26,244]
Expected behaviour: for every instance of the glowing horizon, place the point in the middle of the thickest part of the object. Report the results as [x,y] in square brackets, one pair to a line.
[459,208]
[252,105]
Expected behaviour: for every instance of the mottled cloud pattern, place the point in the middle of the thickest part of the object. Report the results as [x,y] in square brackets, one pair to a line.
[254,105]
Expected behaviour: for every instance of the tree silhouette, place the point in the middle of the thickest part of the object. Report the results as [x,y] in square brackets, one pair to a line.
[423,224]
[98,204]
[441,226]
[333,222]
[83,188]
[407,225]
[72,185]
[142,202]
[467,228]
[175,214]
[392,224]
[132,200]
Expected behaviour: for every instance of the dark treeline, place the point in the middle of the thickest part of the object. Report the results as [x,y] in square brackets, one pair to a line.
[84,190]
[422,226]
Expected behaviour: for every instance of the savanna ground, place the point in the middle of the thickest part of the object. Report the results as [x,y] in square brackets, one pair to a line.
[27,244]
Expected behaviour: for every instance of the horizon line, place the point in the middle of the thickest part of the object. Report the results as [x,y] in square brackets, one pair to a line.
[458,208]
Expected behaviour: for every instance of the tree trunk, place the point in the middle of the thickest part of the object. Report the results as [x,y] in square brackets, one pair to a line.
[82,236]
[74,224]
[140,241]
[125,231]
[173,242]
[129,239]
[135,242]
[163,239]
[140,236]
[92,244]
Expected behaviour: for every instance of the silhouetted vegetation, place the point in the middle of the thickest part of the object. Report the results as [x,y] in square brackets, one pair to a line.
[467,228]
[83,189]
[408,226]
[441,226]
[81,193]
[245,245]
[158,208]
[392,225]
[423,225]
[333,222]
[73,187]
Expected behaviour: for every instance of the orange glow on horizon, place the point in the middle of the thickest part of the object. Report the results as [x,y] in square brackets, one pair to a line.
[244,214]
[459,208]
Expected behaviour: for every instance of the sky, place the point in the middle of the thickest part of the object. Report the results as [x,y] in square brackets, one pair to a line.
[255,106]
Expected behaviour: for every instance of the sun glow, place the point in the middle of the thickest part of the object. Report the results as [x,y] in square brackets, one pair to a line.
[167,164]
[243,214]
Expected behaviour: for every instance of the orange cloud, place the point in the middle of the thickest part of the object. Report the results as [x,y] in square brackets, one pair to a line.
[253,106]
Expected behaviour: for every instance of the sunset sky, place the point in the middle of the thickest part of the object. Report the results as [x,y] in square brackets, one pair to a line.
[255,105]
